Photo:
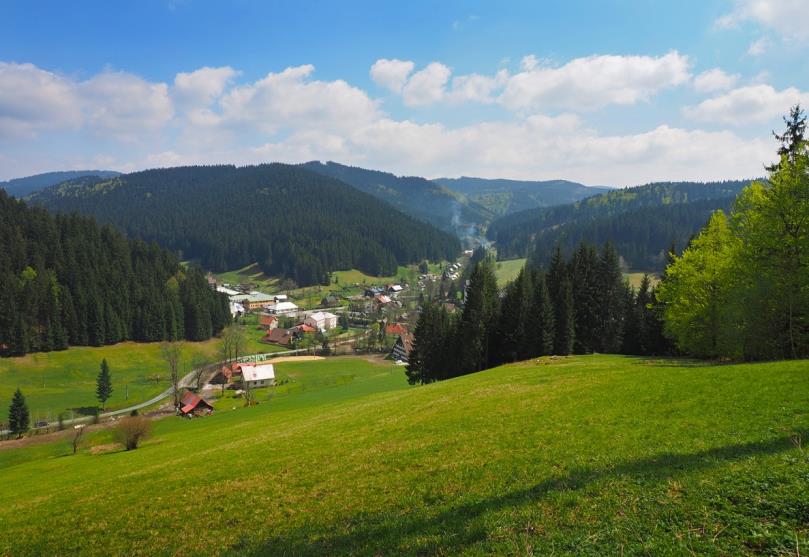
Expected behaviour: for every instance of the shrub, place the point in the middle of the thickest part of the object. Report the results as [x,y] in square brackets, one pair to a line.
[132,430]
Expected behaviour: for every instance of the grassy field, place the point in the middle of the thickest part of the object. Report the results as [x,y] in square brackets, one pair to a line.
[635,278]
[584,455]
[54,382]
[506,271]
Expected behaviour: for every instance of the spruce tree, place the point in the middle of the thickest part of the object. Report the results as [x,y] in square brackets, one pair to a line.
[565,325]
[479,318]
[543,314]
[103,383]
[609,330]
[19,419]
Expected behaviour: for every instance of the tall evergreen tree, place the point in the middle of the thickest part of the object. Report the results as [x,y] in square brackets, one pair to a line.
[479,319]
[565,320]
[19,419]
[609,329]
[543,315]
[103,384]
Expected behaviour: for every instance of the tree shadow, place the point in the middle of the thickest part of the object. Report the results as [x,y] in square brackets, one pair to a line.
[454,529]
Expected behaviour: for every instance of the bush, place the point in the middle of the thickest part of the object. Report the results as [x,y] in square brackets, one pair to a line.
[132,430]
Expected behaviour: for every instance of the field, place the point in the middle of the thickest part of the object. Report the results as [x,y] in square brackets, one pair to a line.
[506,271]
[635,279]
[54,382]
[584,455]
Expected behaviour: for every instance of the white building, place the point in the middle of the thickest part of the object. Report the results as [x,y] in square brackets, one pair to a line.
[282,308]
[227,291]
[321,320]
[259,375]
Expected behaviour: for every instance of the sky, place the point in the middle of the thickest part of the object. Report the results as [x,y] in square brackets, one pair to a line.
[605,92]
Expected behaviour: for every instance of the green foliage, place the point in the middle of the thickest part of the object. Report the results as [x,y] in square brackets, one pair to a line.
[742,288]
[104,383]
[66,281]
[294,223]
[19,419]
[641,222]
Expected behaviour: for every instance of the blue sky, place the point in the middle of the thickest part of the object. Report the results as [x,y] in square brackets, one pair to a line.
[605,92]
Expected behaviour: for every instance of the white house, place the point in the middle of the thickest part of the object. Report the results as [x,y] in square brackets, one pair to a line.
[282,308]
[280,298]
[321,320]
[259,375]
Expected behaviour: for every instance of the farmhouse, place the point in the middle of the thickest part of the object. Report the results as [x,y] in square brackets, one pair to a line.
[260,375]
[394,289]
[282,308]
[280,298]
[268,322]
[373,291]
[321,320]
[191,404]
[283,337]
[402,348]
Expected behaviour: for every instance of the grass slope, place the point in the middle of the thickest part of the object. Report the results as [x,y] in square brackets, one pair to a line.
[507,271]
[585,455]
[53,382]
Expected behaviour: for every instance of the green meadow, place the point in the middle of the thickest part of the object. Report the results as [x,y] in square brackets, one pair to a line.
[586,455]
[507,271]
[55,382]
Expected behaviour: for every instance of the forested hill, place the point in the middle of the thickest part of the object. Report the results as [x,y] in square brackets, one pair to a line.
[418,197]
[642,222]
[291,221]
[504,197]
[64,280]
[20,187]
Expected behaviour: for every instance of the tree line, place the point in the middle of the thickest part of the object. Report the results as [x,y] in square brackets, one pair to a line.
[578,305]
[292,222]
[640,222]
[740,290]
[65,280]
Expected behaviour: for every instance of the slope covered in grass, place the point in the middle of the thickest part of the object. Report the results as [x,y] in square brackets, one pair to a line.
[55,382]
[584,455]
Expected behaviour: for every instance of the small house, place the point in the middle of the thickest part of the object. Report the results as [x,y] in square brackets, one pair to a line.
[259,375]
[395,329]
[282,337]
[191,404]
[394,289]
[280,298]
[373,291]
[403,347]
[321,320]
[268,322]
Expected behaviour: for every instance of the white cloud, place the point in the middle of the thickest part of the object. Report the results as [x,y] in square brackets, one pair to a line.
[593,82]
[203,86]
[715,80]
[758,47]
[477,88]
[391,74]
[746,105]
[426,86]
[789,18]
[124,106]
[32,99]
[289,99]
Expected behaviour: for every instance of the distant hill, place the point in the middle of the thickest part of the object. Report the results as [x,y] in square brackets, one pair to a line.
[503,197]
[642,222]
[291,221]
[20,187]
[418,197]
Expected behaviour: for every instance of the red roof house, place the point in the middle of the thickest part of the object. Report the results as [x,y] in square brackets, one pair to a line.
[191,404]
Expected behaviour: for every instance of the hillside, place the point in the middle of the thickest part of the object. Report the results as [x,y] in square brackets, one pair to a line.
[418,197]
[20,187]
[585,456]
[292,222]
[504,197]
[65,280]
[642,222]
